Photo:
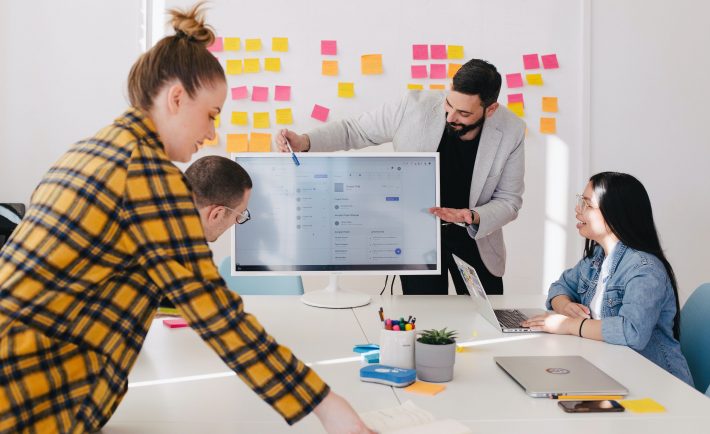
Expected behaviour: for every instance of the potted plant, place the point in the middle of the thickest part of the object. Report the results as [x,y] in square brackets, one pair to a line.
[434,354]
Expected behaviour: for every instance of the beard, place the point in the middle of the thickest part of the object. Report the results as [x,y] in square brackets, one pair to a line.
[464,129]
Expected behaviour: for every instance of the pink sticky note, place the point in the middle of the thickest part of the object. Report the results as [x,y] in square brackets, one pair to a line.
[516,97]
[419,71]
[282,93]
[531,61]
[514,80]
[320,113]
[217,45]
[420,52]
[437,70]
[175,323]
[438,52]
[240,92]
[260,93]
[549,61]
[328,48]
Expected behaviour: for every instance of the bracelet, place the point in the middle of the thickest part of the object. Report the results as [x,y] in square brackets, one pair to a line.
[580,327]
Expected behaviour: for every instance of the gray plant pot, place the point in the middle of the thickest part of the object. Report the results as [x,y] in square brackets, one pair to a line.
[435,363]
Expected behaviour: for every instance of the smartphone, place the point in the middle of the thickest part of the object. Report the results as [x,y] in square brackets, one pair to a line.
[590,406]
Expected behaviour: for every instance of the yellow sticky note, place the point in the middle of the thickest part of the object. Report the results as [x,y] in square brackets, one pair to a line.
[346,89]
[252,65]
[234,66]
[453,69]
[454,51]
[413,86]
[371,64]
[212,142]
[237,143]
[329,67]
[549,104]
[272,64]
[284,116]
[425,388]
[517,108]
[279,44]
[534,79]
[261,120]
[645,405]
[548,125]
[260,142]
[216,121]
[437,87]
[240,118]
[253,44]
[232,44]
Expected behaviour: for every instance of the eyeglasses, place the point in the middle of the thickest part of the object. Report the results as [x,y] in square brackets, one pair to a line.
[583,204]
[242,217]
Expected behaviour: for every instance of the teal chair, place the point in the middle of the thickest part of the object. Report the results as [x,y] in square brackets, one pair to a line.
[694,336]
[260,285]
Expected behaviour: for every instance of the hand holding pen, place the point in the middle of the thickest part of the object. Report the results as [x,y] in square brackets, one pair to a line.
[289,141]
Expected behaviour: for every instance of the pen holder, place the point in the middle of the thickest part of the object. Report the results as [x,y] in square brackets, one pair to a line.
[397,348]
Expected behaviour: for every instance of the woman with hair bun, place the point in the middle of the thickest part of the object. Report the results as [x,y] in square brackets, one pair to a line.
[112,229]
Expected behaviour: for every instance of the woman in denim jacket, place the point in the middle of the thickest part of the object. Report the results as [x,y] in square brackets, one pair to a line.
[624,290]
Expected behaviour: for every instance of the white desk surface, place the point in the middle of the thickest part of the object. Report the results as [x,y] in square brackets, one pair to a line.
[481,395]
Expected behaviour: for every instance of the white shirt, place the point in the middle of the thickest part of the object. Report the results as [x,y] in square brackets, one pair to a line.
[595,306]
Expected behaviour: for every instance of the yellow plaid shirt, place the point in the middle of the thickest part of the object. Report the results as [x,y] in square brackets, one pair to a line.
[111,228]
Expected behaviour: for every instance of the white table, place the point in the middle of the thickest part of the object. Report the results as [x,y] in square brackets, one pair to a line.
[481,395]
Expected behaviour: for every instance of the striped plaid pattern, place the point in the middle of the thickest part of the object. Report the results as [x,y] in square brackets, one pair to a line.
[111,229]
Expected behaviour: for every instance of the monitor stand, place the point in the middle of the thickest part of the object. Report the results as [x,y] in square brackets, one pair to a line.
[334,297]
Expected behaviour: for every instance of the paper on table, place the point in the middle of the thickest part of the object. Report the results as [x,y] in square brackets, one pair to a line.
[409,418]
[425,388]
[645,405]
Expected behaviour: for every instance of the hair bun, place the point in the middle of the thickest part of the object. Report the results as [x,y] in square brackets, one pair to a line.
[191,24]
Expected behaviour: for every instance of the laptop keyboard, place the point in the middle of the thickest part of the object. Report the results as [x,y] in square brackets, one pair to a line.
[510,318]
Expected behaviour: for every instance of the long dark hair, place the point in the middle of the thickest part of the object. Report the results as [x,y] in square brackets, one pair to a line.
[626,208]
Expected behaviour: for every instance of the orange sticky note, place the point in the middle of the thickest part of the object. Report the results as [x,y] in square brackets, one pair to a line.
[425,388]
[240,118]
[272,64]
[284,116]
[413,86]
[260,142]
[548,125]
[237,143]
[453,69]
[253,44]
[252,65]
[213,142]
[234,66]
[549,104]
[279,44]
[346,89]
[232,44]
[534,79]
[517,108]
[454,51]
[329,67]
[437,87]
[371,64]
[645,405]
[261,120]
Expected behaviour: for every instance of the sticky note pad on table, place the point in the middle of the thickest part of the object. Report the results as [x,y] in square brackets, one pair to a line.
[329,67]
[419,71]
[425,388]
[261,120]
[415,86]
[175,323]
[453,69]
[548,125]
[531,61]
[514,80]
[645,405]
[284,116]
[260,142]
[320,113]
[549,61]
[252,65]
[420,52]
[259,93]
[517,108]
[253,44]
[240,118]
[454,51]
[549,104]
[234,67]
[240,92]
[437,70]
[534,79]
[217,45]
[282,93]
[371,64]
[438,51]
[237,143]
[279,44]
[328,48]
[232,44]
[272,64]
[346,89]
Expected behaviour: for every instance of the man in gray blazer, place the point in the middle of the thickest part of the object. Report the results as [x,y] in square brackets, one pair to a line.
[482,166]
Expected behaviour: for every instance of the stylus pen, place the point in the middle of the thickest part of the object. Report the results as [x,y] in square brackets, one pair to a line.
[588,397]
[293,154]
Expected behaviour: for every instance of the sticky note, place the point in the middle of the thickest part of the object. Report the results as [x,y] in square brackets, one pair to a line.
[531,61]
[420,52]
[329,67]
[217,120]
[548,125]
[346,89]
[419,71]
[261,120]
[534,79]
[453,69]
[371,64]
[438,51]
[279,44]
[253,44]
[517,108]
[645,405]
[516,97]
[454,51]
[413,86]
[252,65]
[260,142]
[234,67]
[437,87]
[328,48]
[259,93]
[549,104]
[514,80]
[237,143]
[175,323]
[549,61]
[213,142]
[320,113]
[240,118]
[232,44]
[425,388]
[282,93]
[284,116]
[216,46]
[240,92]
[437,70]
[272,64]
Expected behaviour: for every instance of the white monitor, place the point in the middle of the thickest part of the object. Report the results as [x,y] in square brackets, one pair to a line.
[339,213]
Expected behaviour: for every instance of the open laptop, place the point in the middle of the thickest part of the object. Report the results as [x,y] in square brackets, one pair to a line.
[555,376]
[507,320]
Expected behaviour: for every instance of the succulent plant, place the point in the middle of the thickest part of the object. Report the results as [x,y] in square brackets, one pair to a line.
[437,337]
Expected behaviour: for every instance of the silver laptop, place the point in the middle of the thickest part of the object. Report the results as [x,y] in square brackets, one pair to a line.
[555,376]
[507,320]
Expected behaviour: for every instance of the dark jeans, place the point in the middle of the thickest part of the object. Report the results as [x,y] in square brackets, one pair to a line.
[456,240]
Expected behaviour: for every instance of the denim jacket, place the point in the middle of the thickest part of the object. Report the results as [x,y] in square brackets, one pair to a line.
[638,306]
